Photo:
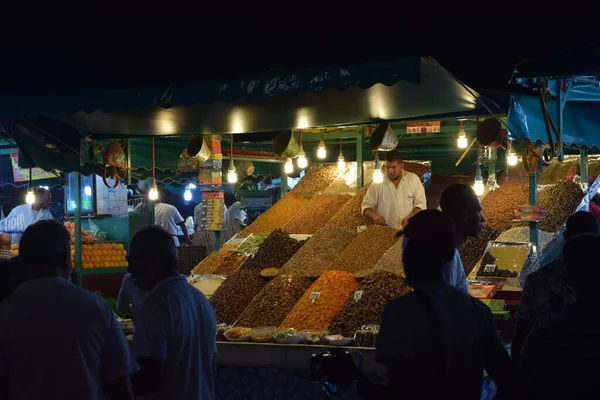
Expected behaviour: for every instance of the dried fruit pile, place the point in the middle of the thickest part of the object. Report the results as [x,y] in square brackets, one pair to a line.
[210,263]
[365,250]
[275,251]
[319,304]
[231,263]
[274,302]
[416,168]
[318,252]
[391,260]
[499,206]
[472,250]
[560,201]
[278,215]
[252,243]
[350,215]
[234,295]
[520,234]
[317,179]
[367,303]
[316,213]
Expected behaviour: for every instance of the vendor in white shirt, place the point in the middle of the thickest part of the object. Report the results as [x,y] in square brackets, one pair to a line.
[29,214]
[399,197]
[169,218]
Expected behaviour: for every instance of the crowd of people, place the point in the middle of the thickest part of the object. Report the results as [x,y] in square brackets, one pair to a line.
[435,342]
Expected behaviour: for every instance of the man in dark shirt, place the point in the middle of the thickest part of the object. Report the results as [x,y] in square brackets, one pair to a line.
[561,360]
[437,341]
[546,293]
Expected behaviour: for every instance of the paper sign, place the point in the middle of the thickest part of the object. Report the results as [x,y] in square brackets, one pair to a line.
[423,127]
[22,175]
[489,268]
[358,295]
[314,296]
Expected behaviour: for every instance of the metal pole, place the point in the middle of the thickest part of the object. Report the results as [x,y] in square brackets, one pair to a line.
[77,233]
[360,179]
[560,99]
[585,178]
[533,200]
[284,178]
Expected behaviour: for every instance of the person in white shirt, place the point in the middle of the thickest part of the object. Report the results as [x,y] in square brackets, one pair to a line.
[29,214]
[131,297]
[235,214]
[398,198]
[175,336]
[57,340]
[169,218]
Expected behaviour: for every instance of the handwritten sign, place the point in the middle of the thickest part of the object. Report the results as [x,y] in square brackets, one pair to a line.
[423,127]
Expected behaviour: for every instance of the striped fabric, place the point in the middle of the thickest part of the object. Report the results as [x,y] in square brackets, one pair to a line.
[562,359]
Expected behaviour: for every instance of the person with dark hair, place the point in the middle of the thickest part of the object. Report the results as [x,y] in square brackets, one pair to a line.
[29,214]
[175,335]
[561,359]
[437,340]
[56,339]
[398,198]
[11,276]
[547,293]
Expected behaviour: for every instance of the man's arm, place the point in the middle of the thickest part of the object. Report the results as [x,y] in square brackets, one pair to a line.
[177,217]
[369,205]
[414,212]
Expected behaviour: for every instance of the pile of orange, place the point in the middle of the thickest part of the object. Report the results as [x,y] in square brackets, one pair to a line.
[14,250]
[86,236]
[104,255]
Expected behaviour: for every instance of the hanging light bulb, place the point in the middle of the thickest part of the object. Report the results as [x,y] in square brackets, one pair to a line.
[462,138]
[302,162]
[187,195]
[322,150]
[341,160]
[512,158]
[478,186]
[289,167]
[30,196]
[153,193]
[231,174]
[88,191]
[378,173]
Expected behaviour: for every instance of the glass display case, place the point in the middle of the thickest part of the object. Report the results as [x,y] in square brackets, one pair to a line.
[88,198]
[502,262]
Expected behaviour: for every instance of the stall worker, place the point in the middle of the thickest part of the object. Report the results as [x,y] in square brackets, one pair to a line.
[32,213]
[398,198]
[167,217]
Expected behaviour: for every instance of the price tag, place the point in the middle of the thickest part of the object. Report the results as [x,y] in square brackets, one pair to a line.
[314,296]
[489,268]
[361,228]
[358,295]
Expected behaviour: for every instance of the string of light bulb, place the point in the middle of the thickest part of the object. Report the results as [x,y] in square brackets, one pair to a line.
[321,149]
[341,164]
[231,173]
[153,193]
[462,141]
[511,158]
[301,161]
[377,173]
[30,196]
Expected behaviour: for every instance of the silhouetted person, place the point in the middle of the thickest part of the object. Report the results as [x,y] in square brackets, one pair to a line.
[546,293]
[57,340]
[561,359]
[175,335]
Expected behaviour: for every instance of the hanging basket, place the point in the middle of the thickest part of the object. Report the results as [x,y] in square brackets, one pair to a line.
[187,164]
[383,138]
[197,148]
[285,145]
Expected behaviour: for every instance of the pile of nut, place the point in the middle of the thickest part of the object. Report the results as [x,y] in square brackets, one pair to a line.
[416,168]
[499,206]
[275,251]
[365,250]
[274,302]
[319,304]
[234,295]
[560,201]
[317,179]
[213,261]
[474,248]
[318,252]
[367,303]
[350,215]
[316,213]
[231,263]
[279,214]
[392,260]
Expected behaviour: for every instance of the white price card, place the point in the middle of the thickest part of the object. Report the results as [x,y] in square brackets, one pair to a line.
[358,295]
[361,228]
[489,268]
[314,296]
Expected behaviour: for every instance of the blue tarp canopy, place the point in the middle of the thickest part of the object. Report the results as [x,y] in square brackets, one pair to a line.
[575,71]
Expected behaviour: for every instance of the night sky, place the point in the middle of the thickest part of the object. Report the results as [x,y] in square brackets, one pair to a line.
[482,56]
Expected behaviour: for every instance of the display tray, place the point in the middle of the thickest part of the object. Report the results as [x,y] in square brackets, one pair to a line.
[502,263]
